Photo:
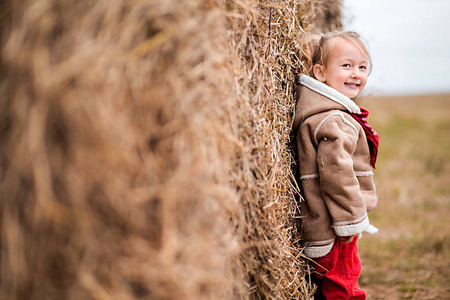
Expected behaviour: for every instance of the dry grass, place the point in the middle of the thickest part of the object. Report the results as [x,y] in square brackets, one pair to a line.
[145,148]
[410,257]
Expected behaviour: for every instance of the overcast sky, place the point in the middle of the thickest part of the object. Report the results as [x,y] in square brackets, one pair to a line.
[409,43]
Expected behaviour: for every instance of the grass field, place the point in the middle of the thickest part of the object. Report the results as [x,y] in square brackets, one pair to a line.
[410,257]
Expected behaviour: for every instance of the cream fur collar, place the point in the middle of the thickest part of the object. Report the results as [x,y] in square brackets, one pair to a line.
[329,92]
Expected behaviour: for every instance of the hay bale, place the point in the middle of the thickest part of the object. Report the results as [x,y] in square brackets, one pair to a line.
[272,54]
[328,15]
[145,149]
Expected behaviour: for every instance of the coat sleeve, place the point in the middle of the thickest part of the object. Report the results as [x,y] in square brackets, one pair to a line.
[336,139]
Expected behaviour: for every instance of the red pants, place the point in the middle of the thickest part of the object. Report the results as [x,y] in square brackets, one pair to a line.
[337,273]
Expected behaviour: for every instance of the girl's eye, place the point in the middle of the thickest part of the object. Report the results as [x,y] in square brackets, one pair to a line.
[346,65]
[363,68]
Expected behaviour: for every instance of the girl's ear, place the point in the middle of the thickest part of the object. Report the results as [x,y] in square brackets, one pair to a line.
[319,72]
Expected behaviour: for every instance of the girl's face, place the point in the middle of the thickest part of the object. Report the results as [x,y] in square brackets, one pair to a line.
[346,69]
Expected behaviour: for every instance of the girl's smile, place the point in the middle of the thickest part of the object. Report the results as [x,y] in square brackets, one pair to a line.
[346,69]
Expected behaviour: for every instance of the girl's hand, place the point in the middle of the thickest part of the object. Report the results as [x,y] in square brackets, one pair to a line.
[347,239]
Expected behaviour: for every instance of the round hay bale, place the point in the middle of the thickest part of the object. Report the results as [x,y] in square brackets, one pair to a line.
[146,149]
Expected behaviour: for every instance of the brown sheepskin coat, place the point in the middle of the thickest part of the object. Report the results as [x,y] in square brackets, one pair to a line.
[334,162]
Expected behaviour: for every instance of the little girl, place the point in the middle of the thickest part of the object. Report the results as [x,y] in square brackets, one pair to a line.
[337,149]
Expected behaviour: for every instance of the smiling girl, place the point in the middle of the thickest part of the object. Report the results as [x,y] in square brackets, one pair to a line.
[337,150]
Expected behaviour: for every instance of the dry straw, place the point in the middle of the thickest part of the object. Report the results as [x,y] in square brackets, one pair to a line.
[146,148]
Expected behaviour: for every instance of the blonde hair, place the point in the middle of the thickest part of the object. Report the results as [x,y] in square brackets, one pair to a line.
[321,46]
